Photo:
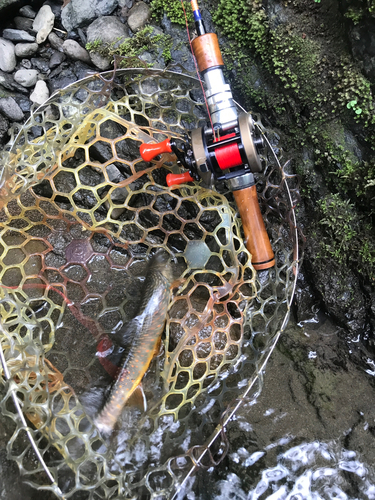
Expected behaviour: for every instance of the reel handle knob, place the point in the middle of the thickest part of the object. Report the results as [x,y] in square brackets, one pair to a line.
[150,151]
[256,237]
[175,179]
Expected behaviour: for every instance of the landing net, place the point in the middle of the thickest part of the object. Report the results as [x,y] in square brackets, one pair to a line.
[80,213]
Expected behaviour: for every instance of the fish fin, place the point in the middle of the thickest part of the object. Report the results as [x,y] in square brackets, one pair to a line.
[138,399]
[158,347]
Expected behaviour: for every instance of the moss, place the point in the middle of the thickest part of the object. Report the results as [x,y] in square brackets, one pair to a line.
[173,9]
[132,48]
[344,236]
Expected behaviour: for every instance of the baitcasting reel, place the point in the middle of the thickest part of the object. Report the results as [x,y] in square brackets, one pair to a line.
[227,150]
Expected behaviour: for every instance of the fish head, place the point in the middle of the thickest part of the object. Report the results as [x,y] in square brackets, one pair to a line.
[161,262]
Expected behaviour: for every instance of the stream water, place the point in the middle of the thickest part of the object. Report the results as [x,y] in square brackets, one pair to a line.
[310,434]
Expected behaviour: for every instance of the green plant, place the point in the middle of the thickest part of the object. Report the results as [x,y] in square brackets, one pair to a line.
[131,48]
[173,9]
[344,236]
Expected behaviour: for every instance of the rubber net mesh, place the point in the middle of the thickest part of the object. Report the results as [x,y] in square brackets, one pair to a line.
[80,213]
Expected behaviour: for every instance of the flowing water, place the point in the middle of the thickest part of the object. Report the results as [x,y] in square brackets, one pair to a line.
[310,433]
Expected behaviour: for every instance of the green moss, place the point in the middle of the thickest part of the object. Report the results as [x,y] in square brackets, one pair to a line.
[133,47]
[344,236]
[173,9]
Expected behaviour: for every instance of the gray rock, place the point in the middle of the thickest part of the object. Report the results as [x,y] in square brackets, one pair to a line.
[18,35]
[74,50]
[40,64]
[101,62]
[7,82]
[27,11]
[40,93]
[43,23]
[55,41]
[7,56]
[22,23]
[56,59]
[25,49]
[26,77]
[81,12]
[108,29]
[139,15]
[26,63]
[10,109]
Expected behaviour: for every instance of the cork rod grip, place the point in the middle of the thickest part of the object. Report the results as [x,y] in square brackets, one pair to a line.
[256,237]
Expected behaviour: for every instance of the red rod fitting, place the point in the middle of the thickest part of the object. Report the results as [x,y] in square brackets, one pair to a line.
[150,151]
[175,179]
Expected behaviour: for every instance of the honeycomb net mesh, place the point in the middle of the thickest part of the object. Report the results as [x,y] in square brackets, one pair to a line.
[80,214]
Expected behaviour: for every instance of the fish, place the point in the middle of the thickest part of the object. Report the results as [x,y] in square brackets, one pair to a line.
[147,326]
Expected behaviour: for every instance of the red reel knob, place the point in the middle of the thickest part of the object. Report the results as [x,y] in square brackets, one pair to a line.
[175,179]
[150,151]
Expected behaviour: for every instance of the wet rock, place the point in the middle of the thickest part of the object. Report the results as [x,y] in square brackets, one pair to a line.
[138,16]
[108,29]
[62,78]
[40,93]
[56,59]
[74,50]
[80,13]
[23,102]
[7,56]
[23,24]
[40,64]
[4,126]
[56,41]
[26,49]
[26,77]
[27,11]
[7,82]
[18,35]
[362,39]
[10,109]
[43,23]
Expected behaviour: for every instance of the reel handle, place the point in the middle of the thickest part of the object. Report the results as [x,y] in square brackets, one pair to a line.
[256,237]
[150,151]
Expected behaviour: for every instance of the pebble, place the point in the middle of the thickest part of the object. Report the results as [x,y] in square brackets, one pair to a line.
[55,41]
[26,63]
[40,64]
[10,109]
[26,77]
[43,23]
[40,93]
[18,35]
[7,56]
[25,49]
[109,29]
[138,16]
[74,50]
[22,23]
[7,82]
[27,11]
[56,59]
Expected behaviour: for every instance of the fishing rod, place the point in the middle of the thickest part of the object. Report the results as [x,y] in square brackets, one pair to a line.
[226,149]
